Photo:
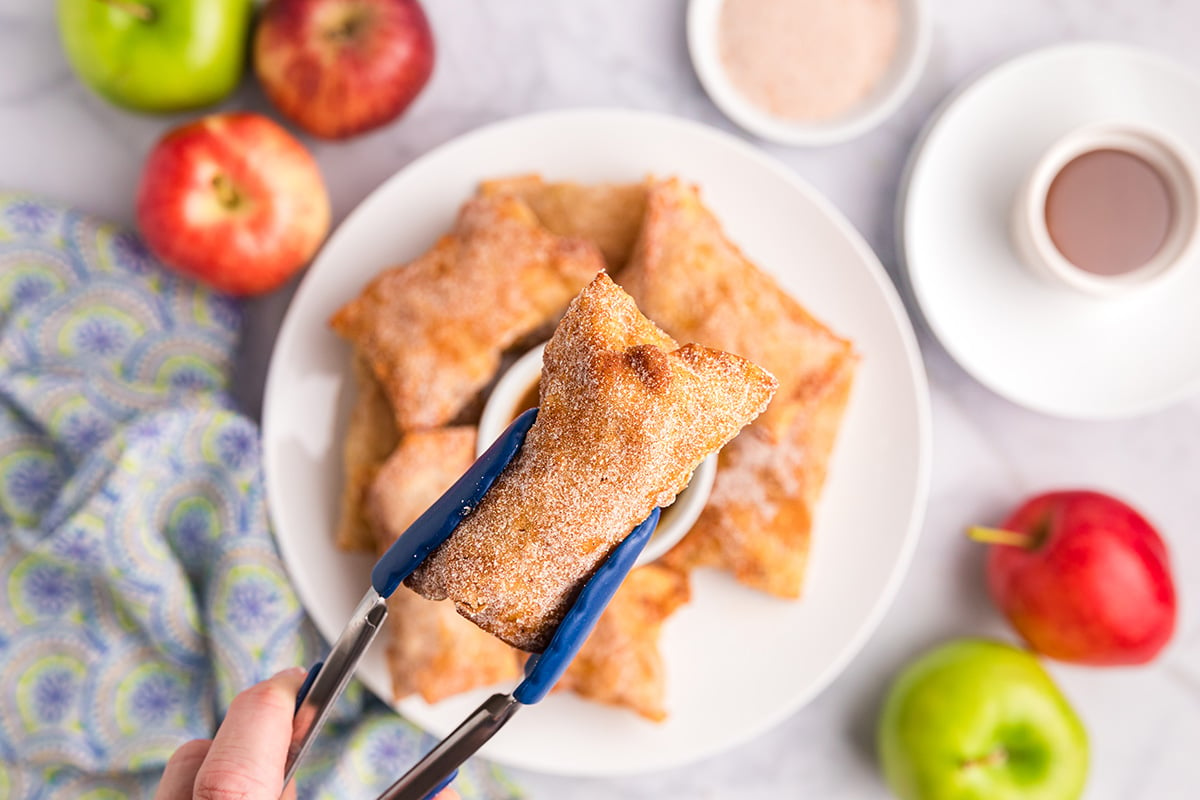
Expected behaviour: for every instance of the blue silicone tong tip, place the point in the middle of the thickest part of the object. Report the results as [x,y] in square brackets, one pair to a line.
[543,670]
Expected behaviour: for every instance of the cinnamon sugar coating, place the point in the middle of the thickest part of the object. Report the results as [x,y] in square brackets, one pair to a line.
[433,330]
[625,417]
[431,650]
[758,521]
[688,277]
[609,214]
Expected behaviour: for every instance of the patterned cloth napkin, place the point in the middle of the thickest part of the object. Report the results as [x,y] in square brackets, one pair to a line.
[142,585]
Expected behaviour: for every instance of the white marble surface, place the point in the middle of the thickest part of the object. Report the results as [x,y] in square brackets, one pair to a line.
[499,59]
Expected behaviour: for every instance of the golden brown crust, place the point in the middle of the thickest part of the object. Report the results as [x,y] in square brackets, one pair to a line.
[758,521]
[418,471]
[624,419]
[431,649]
[433,330]
[370,438]
[609,214]
[688,277]
[620,664]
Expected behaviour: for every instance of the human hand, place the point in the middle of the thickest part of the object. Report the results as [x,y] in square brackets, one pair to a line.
[245,760]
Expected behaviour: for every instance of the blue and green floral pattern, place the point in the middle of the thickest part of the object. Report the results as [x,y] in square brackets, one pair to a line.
[142,588]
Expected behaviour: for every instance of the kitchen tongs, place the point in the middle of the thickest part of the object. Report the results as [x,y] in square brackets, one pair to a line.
[327,679]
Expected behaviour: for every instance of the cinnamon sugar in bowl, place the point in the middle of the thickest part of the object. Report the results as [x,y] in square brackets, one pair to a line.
[808,72]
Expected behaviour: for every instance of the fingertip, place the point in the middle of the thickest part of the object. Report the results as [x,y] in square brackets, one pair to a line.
[289,676]
[179,775]
[274,697]
[192,750]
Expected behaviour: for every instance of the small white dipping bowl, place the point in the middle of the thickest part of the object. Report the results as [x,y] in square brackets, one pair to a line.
[505,403]
[912,49]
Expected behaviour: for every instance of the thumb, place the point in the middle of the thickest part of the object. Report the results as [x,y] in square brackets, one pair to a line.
[248,753]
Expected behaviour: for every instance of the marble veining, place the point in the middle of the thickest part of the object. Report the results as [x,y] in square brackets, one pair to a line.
[498,60]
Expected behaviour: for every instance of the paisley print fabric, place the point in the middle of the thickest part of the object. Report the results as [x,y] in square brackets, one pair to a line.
[142,586]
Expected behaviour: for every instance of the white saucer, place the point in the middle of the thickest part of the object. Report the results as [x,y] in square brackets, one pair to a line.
[1040,345]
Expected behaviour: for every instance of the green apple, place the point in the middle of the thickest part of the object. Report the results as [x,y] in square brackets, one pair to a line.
[157,55]
[980,720]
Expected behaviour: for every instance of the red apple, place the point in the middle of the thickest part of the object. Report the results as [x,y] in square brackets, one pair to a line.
[234,201]
[340,67]
[1083,578]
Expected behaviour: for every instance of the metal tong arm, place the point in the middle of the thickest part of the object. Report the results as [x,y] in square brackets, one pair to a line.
[327,679]
[433,772]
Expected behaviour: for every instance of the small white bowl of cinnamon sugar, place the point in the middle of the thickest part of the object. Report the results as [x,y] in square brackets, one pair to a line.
[517,391]
[808,72]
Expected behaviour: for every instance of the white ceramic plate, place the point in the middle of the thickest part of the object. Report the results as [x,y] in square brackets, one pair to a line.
[738,662]
[1040,345]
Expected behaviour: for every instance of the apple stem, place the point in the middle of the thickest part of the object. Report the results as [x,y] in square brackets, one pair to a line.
[347,26]
[143,12]
[1001,536]
[992,759]
[226,194]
